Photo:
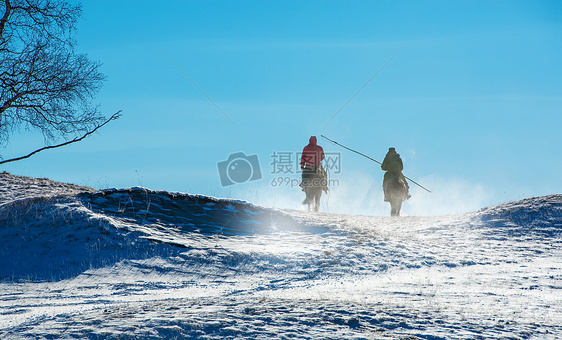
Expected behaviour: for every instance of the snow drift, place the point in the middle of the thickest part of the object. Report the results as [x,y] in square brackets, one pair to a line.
[50,238]
[137,263]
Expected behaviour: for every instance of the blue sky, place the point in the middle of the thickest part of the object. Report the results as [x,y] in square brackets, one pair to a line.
[472,99]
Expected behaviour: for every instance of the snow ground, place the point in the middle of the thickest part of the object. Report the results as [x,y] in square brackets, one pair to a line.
[135,263]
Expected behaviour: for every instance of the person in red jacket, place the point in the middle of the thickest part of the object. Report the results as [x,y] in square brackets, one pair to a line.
[312,156]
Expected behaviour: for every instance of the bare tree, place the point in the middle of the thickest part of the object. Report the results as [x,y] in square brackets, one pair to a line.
[45,84]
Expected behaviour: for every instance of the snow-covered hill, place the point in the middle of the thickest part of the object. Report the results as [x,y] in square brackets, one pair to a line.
[135,263]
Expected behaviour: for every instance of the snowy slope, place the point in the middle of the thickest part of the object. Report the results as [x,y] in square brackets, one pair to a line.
[135,263]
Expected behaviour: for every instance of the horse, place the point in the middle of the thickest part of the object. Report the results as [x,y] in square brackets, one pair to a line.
[396,191]
[313,185]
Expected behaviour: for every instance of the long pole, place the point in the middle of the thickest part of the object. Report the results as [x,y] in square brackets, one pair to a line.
[345,147]
[374,160]
[356,93]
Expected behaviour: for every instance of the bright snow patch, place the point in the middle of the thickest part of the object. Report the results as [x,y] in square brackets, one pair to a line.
[136,263]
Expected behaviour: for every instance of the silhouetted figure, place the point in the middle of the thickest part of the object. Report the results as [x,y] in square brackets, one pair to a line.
[393,166]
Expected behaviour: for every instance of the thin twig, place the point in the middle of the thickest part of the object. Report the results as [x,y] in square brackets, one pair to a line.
[77,139]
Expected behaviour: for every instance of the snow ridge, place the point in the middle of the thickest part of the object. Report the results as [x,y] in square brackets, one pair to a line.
[63,234]
[14,187]
[137,263]
[536,217]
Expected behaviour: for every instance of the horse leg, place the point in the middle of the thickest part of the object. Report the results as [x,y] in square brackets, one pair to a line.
[317,200]
[308,195]
[392,208]
[395,207]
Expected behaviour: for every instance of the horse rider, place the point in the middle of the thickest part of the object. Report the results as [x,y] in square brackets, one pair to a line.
[312,156]
[393,166]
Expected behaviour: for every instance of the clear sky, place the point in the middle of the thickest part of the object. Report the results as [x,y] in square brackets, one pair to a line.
[472,99]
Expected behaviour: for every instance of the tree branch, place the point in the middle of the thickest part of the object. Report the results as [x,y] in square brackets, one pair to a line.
[5,18]
[77,139]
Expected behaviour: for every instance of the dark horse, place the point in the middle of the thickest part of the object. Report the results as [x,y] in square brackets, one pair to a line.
[396,191]
[313,185]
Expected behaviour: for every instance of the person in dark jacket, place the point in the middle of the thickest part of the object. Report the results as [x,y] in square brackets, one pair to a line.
[393,166]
